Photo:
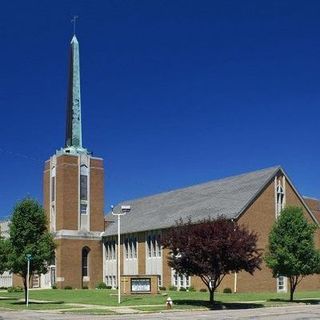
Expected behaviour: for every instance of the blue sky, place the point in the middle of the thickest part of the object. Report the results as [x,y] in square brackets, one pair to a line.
[174,93]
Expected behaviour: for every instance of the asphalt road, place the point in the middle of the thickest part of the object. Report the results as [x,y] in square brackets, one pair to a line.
[303,312]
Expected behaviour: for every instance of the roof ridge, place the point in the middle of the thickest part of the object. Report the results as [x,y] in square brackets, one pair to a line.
[311,198]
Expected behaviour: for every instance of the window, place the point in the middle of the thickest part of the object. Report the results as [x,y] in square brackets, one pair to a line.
[126,247]
[280,200]
[85,261]
[154,246]
[113,250]
[134,248]
[53,193]
[83,187]
[84,205]
[110,250]
[159,281]
[187,281]
[83,208]
[281,284]
[130,248]
[180,281]
[159,246]
[175,280]
[149,246]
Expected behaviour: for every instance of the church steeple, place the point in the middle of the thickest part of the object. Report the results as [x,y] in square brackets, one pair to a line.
[73,142]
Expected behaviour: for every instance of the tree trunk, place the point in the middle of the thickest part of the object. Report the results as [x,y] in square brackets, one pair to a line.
[293,284]
[25,289]
[211,296]
[291,294]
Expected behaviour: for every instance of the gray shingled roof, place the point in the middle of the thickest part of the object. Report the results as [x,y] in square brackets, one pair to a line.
[228,197]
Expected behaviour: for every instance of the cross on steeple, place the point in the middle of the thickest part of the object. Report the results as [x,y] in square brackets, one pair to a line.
[74,21]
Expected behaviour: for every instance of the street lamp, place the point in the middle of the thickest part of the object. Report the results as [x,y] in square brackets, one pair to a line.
[29,257]
[124,210]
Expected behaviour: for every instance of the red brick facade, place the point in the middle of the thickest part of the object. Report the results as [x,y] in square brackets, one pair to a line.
[71,237]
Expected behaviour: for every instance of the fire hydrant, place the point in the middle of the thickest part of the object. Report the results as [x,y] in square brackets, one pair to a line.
[169,303]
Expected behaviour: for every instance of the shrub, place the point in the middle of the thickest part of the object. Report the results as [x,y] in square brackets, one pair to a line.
[101,285]
[182,289]
[173,288]
[67,288]
[162,288]
[191,289]
[54,286]
[203,290]
[85,287]
[15,289]
[227,290]
[108,287]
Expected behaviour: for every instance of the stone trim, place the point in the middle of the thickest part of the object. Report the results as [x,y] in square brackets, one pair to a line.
[78,235]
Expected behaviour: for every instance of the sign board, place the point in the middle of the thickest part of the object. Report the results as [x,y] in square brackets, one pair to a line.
[140,285]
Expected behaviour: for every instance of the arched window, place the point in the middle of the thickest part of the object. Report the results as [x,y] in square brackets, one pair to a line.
[83,189]
[280,199]
[85,261]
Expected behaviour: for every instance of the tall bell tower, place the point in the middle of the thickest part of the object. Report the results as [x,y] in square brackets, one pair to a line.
[73,185]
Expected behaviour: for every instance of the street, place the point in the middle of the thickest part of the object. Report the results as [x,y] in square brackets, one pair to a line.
[279,313]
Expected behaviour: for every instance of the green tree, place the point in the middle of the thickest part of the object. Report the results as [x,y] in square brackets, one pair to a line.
[291,251]
[29,235]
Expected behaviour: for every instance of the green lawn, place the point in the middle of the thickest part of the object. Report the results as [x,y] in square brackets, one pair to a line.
[57,299]
[17,304]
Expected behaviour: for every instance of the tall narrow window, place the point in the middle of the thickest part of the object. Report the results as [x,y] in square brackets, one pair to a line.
[114,250]
[159,245]
[280,199]
[85,261]
[126,246]
[154,246]
[53,184]
[149,247]
[134,247]
[83,187]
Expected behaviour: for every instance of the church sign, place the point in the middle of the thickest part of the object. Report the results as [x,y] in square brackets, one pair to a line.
[140,285]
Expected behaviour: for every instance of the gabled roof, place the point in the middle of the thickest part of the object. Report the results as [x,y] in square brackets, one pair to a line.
[228,197]
[314,206]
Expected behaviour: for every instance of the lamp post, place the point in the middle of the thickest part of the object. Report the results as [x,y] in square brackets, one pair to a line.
[28,256]
[124,210]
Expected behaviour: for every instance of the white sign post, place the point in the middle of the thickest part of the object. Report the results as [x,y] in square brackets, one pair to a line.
[28,275]
[124,210]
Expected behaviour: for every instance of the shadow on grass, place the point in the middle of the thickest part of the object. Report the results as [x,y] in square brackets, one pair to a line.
[219,305]
[305,301]
[37,302]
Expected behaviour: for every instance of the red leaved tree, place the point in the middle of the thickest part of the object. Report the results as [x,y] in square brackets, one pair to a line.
[211,249]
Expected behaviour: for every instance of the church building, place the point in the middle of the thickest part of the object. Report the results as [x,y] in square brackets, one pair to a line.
[87,248]
[254,200]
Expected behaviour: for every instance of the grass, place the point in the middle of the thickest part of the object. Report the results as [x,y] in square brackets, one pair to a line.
[60,299]
[15,304]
